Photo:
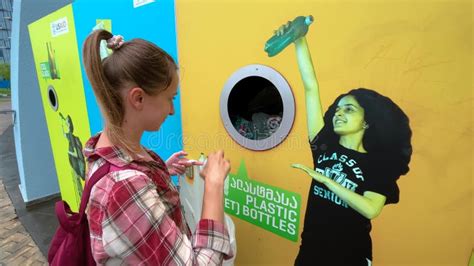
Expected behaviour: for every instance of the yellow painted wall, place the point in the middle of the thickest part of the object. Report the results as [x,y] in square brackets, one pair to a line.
[419,53]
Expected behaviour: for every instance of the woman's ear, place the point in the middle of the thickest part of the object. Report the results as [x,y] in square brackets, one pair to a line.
[135,98]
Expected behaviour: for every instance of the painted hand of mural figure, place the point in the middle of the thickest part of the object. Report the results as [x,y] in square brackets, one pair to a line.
[315,175]
[295,32]
[177,163]
[369,204]
[287,34]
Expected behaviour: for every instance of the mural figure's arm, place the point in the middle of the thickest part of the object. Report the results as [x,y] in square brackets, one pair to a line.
[314,110]
[294,32]
[62,121]
[368,205]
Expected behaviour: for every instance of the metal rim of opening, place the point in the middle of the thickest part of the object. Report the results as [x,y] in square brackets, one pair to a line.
[287,97]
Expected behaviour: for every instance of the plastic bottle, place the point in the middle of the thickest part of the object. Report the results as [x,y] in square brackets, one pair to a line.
[50,62]
[295,30]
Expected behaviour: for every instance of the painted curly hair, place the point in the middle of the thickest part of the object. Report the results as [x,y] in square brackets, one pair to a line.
[388,138]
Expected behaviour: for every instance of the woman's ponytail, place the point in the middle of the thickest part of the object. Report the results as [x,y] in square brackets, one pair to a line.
[108,97]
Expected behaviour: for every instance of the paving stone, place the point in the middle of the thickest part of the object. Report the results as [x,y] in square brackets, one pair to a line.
[25,252]
[7,209]
[16,245]
[34,262]
[4,254]
[5,202]
[39,263]
[17,227]
[17,260]
[37,256]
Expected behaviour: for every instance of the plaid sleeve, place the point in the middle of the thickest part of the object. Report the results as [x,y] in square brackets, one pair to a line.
[138,230]
[212,236]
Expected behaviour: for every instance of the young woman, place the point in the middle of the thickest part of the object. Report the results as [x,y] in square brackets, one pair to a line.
[134,212]
[360,147]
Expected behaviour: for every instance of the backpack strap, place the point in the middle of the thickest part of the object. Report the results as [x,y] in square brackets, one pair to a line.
[98,174]
[70,220]
[63,211]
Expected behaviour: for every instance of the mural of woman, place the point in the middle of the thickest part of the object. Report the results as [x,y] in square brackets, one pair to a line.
[360,147]
[76,158]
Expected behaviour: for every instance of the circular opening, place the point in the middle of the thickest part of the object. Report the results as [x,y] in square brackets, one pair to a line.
[53,98]
[255,108]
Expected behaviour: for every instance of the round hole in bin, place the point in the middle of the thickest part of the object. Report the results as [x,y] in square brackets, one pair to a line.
[53,98]
[257,107]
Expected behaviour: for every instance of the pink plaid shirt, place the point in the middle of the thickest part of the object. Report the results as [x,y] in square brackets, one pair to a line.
[135,215]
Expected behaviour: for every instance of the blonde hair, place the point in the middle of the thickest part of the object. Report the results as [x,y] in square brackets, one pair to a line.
[136,63]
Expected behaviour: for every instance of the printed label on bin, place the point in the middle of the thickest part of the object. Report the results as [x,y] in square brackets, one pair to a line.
[44,67]
[271,208]
[59,27]
[138,3]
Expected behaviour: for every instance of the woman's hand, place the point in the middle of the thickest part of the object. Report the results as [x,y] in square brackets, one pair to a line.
[177,163]
[315,175]
[216,169]
[214,173]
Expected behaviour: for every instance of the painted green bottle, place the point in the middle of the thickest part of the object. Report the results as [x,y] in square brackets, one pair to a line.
[295,30]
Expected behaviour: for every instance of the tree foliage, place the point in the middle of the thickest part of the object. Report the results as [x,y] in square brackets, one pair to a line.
[4,71]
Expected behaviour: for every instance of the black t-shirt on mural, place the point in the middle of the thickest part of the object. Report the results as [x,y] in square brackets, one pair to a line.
[334,233]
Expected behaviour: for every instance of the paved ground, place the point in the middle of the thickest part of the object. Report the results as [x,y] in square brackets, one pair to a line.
[5,119]
[16,245]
